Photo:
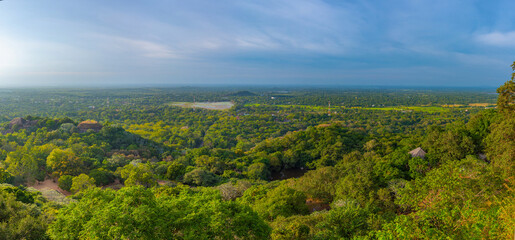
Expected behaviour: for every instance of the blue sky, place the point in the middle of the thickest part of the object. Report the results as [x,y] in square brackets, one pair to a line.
[285,42]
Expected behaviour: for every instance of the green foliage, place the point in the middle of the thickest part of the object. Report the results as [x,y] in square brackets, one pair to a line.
[506,213]
[5,177]
[450,145]
[102,176]
[258,171]
[212,164]
[500,146]
[294,227]
[358,182]
[20,220]
[22,194]
[65,182]
[64,162]
[314,147]
[479,126]
[358,156]
[81,183]
[453,200]
[201,177]
[346,221]
[24,166]
[136,213]
[231,191]
[506,98]
[281,201]
[418,167]
[115,161]
[175,171]
[137,174]
[319,184]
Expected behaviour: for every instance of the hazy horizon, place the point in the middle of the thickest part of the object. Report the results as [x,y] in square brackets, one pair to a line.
[243,87]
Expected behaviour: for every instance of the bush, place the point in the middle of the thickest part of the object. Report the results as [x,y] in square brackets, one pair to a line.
[5,177]
[65,182]
[102,176]
[258,171]
[82,182]
[200,177]
[175,171]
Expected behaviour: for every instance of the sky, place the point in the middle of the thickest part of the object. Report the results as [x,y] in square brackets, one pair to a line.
[450,43]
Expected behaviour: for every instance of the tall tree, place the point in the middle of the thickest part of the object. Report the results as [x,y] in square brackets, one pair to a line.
[506,99]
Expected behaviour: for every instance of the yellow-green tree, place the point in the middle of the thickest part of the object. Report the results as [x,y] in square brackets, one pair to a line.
[81,183]
[506,99]
[64,162]
[21,165]
[139,174]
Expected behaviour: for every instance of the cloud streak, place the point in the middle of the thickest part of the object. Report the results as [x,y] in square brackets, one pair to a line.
[210,40]
[138,47]
[498,39]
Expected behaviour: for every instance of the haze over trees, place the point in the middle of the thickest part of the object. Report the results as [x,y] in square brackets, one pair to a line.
[280,164]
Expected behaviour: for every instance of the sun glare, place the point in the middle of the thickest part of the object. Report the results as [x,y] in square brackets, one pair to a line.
[9,55]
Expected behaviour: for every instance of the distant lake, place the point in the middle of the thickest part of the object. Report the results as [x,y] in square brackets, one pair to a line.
[205,105]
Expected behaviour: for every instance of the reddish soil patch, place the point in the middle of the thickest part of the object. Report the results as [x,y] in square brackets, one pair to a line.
[481,104]
[49,184]
[163,182]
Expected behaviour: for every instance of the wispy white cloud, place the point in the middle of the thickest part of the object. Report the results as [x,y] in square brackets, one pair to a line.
[500,39]
[287,38]
[313,26]
[278,26]
[59,73]
[142,48]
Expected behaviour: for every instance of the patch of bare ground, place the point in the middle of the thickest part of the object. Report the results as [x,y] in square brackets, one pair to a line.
[49,184]
[481,104]
[453,105]
[51,191]
[163,182]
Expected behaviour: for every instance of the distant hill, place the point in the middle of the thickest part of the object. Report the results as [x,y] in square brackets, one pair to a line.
[242,94]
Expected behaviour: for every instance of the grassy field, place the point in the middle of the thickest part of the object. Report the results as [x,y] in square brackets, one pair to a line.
[205,105]
[482,104]
[333,108]
[307,107]
[431,109]
[428,109]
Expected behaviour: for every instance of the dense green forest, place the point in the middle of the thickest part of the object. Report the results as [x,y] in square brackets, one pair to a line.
[281,163]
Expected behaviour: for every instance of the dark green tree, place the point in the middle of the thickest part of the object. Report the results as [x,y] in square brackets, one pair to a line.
[65,182]
[506,98]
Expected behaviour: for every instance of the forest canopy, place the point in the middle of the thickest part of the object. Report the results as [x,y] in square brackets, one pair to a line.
[279,164]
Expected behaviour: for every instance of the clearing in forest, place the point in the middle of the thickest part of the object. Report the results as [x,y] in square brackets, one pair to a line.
[51,191]
[482,104]
[205,105]
[429,109]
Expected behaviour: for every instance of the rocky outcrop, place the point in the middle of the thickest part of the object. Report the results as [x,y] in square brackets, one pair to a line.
[21,123]
[89,125]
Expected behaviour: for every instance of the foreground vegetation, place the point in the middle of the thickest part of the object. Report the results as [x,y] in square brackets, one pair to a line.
[151,170]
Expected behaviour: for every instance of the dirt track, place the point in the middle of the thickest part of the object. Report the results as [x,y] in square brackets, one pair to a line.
[49,184]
